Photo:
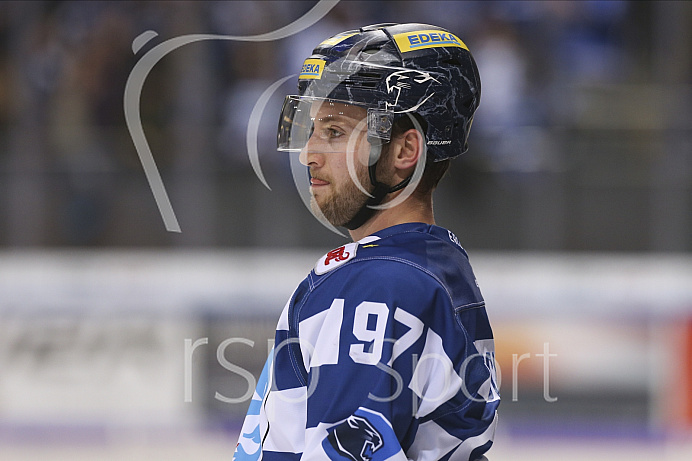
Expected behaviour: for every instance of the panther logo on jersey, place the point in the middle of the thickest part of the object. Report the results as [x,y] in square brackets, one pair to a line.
[355,439]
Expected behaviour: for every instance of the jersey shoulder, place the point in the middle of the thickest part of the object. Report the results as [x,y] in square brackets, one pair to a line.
[406,254]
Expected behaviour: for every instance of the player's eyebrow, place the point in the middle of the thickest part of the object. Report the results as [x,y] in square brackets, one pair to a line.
[338,113]
[340,119]
[337,117]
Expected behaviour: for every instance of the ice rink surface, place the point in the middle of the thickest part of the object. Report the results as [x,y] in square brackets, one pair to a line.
[209,447]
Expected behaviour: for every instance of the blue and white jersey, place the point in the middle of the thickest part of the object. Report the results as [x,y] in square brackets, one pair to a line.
[384,351]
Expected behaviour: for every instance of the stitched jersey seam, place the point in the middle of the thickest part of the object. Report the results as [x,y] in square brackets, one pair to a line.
[386,258]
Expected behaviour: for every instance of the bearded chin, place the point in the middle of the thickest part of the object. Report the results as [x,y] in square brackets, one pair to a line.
[342,203]
[339,210]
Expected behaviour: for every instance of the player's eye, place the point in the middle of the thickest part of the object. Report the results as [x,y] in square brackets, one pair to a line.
[334,132]
[330,132]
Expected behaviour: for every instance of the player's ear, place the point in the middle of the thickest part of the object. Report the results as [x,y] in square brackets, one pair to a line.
[409,149]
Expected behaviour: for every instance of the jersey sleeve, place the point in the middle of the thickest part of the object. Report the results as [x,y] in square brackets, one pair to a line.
[392,369]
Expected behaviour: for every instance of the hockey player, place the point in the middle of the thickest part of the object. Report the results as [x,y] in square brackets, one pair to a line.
[384,351]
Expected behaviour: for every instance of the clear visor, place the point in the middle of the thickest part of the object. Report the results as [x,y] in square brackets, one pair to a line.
[296,122]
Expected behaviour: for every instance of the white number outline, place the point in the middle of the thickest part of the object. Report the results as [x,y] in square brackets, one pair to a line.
[362,333]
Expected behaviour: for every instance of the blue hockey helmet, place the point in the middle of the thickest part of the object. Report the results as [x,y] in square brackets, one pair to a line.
[392,70]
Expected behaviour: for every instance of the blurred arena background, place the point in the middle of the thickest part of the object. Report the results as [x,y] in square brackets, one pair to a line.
[122,341]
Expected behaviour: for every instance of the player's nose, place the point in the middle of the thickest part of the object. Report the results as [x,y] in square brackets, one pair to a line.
[303,157]
[310,154]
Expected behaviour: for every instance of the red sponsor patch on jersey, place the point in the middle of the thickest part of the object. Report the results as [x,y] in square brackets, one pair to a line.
[336,258]
[338,254]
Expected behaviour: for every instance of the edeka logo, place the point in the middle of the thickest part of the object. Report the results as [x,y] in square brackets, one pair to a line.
[312,68]
[411,41]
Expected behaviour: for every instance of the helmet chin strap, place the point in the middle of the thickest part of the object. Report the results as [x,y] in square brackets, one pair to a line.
[379,192]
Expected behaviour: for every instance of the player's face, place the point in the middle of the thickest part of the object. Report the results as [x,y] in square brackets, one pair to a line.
[339,140]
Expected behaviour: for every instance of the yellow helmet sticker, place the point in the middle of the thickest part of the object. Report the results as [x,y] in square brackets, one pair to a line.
[337,39]
[312,69]
[411,41]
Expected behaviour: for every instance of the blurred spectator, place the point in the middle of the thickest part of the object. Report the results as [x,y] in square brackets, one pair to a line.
[77,180]
[587,43]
